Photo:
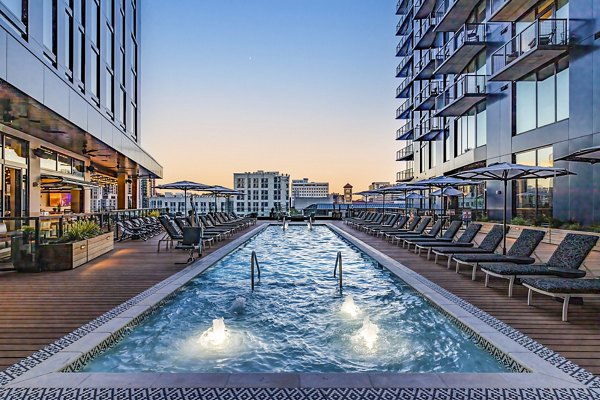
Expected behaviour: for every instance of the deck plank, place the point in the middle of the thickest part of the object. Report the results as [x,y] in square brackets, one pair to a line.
[577,339]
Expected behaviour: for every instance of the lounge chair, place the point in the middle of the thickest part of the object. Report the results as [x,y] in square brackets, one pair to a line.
[172,232]
[400,224]
[447,236]
[562,289]
[416,232]
[465,240]
[431,233]
[376,220]
[386,221]
[490,242]
[391,222]
[564,262]
[519,253]
[192,237]
[389,235]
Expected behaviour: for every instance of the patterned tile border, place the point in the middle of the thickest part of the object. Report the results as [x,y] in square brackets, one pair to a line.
[578,373]
[548,355]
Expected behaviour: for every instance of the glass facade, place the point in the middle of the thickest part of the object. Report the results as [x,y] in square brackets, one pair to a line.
[533,197]
[470,130]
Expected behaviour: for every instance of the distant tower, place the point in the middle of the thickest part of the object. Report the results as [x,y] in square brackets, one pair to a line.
[348,193]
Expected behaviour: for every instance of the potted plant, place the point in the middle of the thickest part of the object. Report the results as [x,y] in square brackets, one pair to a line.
[83,241]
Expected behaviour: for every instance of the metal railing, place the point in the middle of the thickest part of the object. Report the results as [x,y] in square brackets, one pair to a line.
[254,264]
[405,152]
[542,32]
[405,19]
[431,89]
[464,85]
[404,130]
[338,268]
[468,33]
[429,124]
[427,57]
[405,175]
[495,5]
[426,24]
[404,44]
[403,6]
[403,86]
[403,64]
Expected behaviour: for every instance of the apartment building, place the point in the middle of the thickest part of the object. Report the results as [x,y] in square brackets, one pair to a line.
[264,191]
[303,188]
[483,81]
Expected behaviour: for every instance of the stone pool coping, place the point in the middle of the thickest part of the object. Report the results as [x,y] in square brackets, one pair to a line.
[548,370]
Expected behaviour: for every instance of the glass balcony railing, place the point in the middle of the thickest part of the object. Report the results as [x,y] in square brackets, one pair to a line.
[468,35]
[422,8]
[424,100]
[548,36]
[403,112]
[508,10]
[406,175]
[451,14]
[429,129]
[404,47]
[466,91]
[405,132]
[425,34]
[426,65]
[404,68]
[403,7]
[405,153]
[405,23]
[404,89]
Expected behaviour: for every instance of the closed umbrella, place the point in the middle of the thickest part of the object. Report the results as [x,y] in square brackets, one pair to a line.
[185,186]
[506,172]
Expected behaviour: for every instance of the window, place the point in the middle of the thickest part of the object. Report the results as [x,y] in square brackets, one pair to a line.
[122,105]
[81,59]
[108,98]
[15,150]
[49,28]
[108,46]
[68,50]
[94,78]
[47,159]
[470,130]
[132,119]
[64,164]
[95,23]
[542,98]
[133,85]
[78,168]
[264,183]
[110,11]
[16,12]
[240,183]
[533,197]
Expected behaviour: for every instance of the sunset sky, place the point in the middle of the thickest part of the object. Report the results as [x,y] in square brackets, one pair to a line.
[302,87]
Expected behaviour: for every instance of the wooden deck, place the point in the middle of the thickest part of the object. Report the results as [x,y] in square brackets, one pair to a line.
[37,309]
[577,340]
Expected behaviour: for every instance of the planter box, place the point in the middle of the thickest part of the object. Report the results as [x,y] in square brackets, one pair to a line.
[63,256]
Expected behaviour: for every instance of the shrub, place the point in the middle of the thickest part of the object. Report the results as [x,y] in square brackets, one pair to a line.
[154,213]
[519,221]
[81,230]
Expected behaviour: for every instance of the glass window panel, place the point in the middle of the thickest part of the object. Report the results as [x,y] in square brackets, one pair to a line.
[108,99]
[14,6]
[94,23]
[64,164]
[109,47]
[526,158]
[68,51]
[470,131]
[545,157]
[122,105]
[546,97]
[49,25]
[81,65]
[78,168]
[15,150]
[48,160]
[562,9]
[109,10]
[481,128]
[562,95]
[94,73]
[526,105]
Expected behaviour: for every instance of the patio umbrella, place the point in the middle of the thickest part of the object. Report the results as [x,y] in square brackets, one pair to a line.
[412,196]
[185,186]
[589,155]
[449,191]
[403,189]
[221,190]
[509,172]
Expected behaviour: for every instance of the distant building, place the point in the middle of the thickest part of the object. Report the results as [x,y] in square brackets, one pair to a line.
[176,202]
[347,193]
[104,198]
[378,185]
[303,188]
[264,191]
[147,190]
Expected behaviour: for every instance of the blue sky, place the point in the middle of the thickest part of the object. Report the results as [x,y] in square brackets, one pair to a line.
[305,87]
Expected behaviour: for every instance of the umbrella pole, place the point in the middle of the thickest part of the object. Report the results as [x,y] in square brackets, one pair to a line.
[405,204]
[184,202]
[504,219]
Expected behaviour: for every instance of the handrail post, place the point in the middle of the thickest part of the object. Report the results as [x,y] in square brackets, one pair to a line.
[253,261]
[338,267]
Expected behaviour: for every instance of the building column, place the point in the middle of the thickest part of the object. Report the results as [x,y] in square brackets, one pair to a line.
[122,191]
[35,177]
[135,193]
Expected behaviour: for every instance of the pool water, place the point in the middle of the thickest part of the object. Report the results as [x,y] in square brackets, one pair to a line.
[293,321]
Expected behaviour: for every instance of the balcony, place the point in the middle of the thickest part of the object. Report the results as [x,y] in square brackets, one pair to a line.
[405,176]
[451,14]
[458,52]
[457,99]
[538,44]
[425,34]
[403,7]
[405,154]
[404,89]
[404,47]
[404,69]
[430,129]
[425,99]
[403,112]
[406,132]
[423,8]
[509,10]
[425,67]
[405,24]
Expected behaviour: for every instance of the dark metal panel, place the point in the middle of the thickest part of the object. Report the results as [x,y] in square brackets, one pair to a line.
[456,15]
[511,10]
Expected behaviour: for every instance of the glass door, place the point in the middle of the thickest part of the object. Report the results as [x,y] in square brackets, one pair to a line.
[15,192]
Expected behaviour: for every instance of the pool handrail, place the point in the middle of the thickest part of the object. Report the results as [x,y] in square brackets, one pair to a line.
[253,262]
[338,267]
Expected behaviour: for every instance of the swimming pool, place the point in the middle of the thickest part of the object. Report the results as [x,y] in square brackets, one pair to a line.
[296,320]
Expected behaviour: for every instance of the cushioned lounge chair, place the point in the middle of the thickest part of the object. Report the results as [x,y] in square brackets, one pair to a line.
[447,236]
[562,289]
[564,262]
[465,240]
[388,235]
[386,221]
[371,229]
[489,244]
[400,223]
[192,237]
[417,231]
[431,233]
[519,253]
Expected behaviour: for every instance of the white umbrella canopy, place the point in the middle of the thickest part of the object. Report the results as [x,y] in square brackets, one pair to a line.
[509,172]
[589,155]
[448,191]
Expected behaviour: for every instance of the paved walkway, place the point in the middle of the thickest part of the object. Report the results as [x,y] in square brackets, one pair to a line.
[577,340]
[37,309]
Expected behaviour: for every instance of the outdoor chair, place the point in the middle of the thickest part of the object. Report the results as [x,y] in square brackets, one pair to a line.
[465,240]
[389,235]
[192,236]
[431,233]
[447,236]
[172,232]
[400,223]
[562,288]
[126,232]
[423,223]
[489,244]
[388,221]
[519,253]
[564,262]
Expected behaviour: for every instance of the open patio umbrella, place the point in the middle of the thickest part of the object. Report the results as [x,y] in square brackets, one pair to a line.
[185,186]
[589,155]
[509,172]
[403,189]
[223,191]
[449,191]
